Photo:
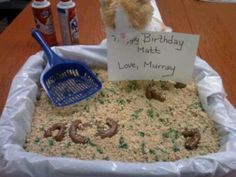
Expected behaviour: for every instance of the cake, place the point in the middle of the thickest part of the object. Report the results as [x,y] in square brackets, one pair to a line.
[153,121]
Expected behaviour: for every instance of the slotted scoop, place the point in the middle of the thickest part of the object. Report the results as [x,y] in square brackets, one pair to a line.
[66,82]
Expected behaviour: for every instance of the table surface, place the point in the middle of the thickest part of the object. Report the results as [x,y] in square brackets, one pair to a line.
[216,24]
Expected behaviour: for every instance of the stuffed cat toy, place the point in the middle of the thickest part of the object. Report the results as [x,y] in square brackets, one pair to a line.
[123,16]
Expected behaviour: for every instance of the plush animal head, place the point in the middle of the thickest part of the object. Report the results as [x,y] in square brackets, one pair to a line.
[135,13]
[124,16]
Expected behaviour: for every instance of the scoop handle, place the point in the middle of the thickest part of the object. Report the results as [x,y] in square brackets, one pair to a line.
[48,51]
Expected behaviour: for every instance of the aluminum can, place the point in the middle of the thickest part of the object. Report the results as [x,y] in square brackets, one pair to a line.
[44,20]
[68,20]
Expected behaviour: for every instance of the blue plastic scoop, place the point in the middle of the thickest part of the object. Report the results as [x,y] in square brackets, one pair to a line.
[66,82]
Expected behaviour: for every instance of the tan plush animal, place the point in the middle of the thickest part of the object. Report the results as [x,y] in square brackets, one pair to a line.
[124,16]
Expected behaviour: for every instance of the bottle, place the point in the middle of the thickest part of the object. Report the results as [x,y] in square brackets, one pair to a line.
[44,20]
[68,22]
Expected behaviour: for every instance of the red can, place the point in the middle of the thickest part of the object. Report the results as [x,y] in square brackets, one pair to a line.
[44,20]
[68,22]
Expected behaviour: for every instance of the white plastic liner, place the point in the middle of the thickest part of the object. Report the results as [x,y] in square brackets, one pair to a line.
[16,121]
[221,1]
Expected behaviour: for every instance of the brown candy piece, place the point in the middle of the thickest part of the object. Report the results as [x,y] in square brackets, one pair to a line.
[192,137]
[76,138]
[113,129]
[153,94]
[61,131]
[148,93]
[158,96]
[179,85]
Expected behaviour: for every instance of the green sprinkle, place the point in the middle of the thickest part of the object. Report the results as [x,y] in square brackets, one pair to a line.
[106,158]
[130,126]
[151,83]
[196,105]
[136,113]
[161,120]
[156,158]
[101,101]
[102,93]
[121,102]
[150,113]
[50,142]
[63,154]
[172,133]
[162,150]
[164,120]
[112,90]
[162,83]
[67,145]
[143,147]
[132,86]
[165,160]
[142,134]
[99,150]
[122,143]
[37,141]
[89,142]
[152,151]
[166,135]
[175,148]
[86,108]
[149,103]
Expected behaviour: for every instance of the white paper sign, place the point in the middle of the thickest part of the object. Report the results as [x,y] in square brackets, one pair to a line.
[152,55]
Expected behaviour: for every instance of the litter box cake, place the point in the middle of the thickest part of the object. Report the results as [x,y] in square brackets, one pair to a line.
[129,121]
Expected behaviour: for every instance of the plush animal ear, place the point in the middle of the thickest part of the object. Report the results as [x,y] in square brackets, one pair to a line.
[102,2]
[143,1]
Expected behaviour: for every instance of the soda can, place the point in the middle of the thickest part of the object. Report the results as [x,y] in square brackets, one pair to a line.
[44,20]
[68,22]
